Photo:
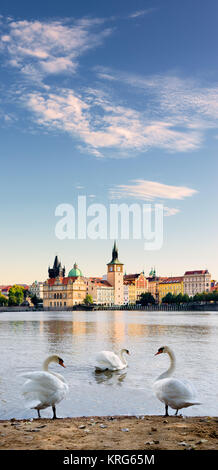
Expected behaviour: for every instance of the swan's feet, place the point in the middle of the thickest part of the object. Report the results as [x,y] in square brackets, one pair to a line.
[39,416]
[166,411]
[54,412]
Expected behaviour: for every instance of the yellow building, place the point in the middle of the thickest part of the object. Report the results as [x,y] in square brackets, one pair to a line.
[60,291]
[173,285]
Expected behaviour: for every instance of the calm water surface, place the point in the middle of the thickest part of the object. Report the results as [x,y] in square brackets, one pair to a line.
[26,339]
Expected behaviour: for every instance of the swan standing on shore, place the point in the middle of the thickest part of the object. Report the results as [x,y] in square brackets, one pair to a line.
[108,360]
[45,388]
[173,392]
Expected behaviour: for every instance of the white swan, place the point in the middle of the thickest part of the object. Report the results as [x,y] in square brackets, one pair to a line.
[173,392]
[45,388]
[108,360]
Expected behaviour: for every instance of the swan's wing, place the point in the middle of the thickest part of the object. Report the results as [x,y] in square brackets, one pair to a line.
[172,390]
[109,359]
[42,380]
[43,389]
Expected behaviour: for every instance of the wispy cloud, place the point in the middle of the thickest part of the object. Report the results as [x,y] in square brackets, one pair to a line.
[53,47]
[150,190]
[138,13]
[144,190]
[101,124]
[162,111]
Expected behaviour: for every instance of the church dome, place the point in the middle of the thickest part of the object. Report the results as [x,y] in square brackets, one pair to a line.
[75,271]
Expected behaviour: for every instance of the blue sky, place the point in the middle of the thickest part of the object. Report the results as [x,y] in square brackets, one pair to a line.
[117,101]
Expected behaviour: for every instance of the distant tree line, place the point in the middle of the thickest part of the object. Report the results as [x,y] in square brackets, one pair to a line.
[17,296]
[147,298]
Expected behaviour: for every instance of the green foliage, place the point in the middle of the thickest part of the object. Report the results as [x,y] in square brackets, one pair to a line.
[88,300]
[16,295]
[184,298]
[3,300]
[35,300]
[146,298]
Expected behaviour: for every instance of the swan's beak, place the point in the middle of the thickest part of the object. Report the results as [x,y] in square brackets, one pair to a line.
[61,362]
[158,352]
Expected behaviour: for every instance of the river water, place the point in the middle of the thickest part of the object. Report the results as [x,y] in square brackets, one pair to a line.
[27,338]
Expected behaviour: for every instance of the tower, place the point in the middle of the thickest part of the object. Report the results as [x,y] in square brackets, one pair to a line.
[57,270]
[115,276]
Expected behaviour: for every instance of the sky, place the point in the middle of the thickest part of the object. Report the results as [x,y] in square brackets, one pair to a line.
[116,101]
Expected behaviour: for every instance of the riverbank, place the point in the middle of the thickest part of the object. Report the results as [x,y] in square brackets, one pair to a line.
[111,433]
[203,307]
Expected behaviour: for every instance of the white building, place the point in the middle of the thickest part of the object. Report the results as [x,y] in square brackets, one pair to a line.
[101,291]
[37,289]
[196,282]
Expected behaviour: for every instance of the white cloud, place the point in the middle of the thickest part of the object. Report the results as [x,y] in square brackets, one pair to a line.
[150,190]
[50,47]
[100,124]
[139,13]
[167,113]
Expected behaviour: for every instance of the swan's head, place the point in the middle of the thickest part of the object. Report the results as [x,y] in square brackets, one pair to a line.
[163,349]
[125,351]
[58,360]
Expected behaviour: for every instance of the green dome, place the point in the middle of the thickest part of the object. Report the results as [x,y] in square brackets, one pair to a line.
[75,271]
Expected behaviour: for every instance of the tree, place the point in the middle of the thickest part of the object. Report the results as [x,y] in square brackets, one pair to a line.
[35,300]
[146,298]
[16,295]
[88,300]
[169,298]
[3,300]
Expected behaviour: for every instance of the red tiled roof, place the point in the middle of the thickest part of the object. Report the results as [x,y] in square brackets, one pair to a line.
[202,271]
[63,280]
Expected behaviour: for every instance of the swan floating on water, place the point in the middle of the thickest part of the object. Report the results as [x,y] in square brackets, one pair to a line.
[108,360]
[173,392]
[45,388]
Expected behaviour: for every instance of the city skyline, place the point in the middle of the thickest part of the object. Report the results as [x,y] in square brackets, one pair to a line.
[117,102]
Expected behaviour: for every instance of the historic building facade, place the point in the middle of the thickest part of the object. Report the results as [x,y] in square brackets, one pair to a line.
[101,291]
[196,282]
[60,291]
[172,285]
[133,286]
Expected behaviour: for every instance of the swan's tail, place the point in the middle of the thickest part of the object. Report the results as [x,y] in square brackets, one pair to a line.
[191,403]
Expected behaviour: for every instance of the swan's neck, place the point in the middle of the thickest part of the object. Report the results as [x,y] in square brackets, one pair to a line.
[123,359]
[172,366]
[47,362]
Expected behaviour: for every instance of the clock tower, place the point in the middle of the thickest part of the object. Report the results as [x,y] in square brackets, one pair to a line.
[115,276]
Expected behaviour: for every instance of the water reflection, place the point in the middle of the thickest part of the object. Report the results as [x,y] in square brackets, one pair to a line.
[110,377]
[27,338]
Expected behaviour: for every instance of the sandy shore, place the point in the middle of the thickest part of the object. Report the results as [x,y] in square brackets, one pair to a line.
[111,433]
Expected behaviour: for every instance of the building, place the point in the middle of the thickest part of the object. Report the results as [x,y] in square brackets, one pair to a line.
[115,276]
[129,292]
[172,285]
[36,289]
[196,282]
[135,284]
[101,291]
[61,291]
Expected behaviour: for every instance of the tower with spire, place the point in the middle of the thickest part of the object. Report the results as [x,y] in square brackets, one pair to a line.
[57,270]
[115,276]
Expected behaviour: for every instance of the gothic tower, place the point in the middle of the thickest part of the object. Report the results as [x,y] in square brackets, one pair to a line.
[115,276]
[57,270]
